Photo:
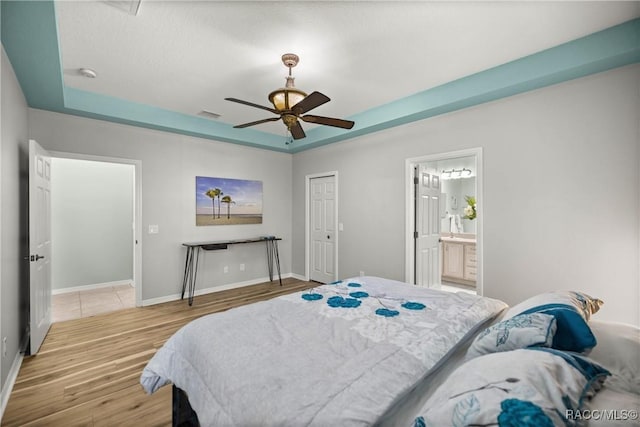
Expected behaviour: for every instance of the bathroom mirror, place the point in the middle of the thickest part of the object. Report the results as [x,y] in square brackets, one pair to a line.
[455,193]
[458,185]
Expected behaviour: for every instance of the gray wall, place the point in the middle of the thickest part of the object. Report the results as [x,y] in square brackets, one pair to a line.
[555,213]
[170,164]
[92,218]
[14,141]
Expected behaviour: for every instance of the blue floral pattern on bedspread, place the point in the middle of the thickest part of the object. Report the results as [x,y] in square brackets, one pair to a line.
[311,296]
[359,294]
[392,315]
[412,305]
[338,301]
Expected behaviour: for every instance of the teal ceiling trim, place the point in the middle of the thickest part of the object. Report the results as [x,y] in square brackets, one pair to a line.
[611,48]
[30,38]
[89,104]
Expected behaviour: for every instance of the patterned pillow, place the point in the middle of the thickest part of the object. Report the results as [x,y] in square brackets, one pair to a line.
[522,331]
[583,303]
[529,387]
[572,310]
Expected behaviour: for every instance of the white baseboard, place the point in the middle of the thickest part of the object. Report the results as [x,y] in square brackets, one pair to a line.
[10,382]
[299,277]
[211,290]
[90,287]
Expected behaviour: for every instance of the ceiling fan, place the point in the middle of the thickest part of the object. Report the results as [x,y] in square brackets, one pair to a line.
[291,103]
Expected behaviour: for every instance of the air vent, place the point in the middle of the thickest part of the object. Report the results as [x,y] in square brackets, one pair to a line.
[209,114]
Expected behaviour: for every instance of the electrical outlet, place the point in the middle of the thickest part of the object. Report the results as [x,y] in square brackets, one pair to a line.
[241,267]
[226,269]
[361,273]
[4,347]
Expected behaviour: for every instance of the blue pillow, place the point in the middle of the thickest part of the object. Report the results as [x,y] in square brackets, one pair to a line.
[571,309]
[572,331]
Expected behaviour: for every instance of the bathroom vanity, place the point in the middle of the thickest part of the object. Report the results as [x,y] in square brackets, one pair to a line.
[459,263]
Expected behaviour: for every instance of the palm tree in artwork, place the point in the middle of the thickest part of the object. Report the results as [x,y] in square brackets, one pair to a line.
[218,194]
[213,193]
[228,201]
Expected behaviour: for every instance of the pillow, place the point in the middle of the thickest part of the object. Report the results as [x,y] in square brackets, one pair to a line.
[583,303]
[572,310]
[618,350]
[522,331]
[526,387]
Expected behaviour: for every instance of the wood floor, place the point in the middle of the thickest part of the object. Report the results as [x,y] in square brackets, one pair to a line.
[87,371]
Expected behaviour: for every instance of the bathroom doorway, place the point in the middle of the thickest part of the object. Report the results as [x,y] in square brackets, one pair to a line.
[444,221]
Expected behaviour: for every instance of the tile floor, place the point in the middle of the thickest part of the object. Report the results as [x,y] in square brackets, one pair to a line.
[74,305]
[455,287]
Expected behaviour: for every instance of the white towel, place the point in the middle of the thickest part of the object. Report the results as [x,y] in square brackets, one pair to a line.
[459,224]
[453,224]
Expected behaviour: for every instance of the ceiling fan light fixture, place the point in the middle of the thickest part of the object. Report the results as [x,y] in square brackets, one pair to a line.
[288,96]
[285,98]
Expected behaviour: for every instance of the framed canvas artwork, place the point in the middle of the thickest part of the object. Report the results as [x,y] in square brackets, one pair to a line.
[228,201]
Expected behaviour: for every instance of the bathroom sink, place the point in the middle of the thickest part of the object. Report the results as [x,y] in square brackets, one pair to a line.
[457,239]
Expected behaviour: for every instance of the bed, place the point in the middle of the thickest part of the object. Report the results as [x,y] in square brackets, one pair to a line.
[339,354]
[371,351]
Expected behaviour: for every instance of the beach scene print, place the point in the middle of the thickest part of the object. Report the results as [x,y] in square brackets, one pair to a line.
[227,201]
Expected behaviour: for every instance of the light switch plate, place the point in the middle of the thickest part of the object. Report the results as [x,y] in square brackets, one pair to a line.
[154,229]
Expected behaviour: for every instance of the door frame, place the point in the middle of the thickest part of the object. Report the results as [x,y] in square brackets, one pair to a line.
[307,222]
[137,209]
[410,164]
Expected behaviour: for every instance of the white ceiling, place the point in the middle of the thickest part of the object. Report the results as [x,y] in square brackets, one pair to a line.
[188,56]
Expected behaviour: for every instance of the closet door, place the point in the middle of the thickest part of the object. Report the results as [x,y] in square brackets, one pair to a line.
[322,219]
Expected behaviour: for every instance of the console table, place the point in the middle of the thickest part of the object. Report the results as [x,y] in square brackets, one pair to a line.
[193,255]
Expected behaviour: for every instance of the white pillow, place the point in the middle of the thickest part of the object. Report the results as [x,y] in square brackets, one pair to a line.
[522,331]
[618,350]
[584,304]
[540,387]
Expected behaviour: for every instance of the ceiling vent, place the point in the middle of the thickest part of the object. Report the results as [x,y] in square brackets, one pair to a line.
[209,114]
[132,7]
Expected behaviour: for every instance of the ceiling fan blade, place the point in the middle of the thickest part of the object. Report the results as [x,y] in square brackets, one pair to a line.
[296,131]
[246,125]
[329,121]
[251,104]
[315,99]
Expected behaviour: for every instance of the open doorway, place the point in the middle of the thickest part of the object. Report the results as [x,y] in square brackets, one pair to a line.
[95,255]
[444,221]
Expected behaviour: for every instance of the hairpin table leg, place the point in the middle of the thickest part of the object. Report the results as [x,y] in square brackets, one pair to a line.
[273,256]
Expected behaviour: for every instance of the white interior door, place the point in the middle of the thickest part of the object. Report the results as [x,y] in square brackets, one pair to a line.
[322,218]
[427,233]
[39,244]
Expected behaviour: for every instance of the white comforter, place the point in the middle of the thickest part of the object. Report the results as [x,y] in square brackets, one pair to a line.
[291,361]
